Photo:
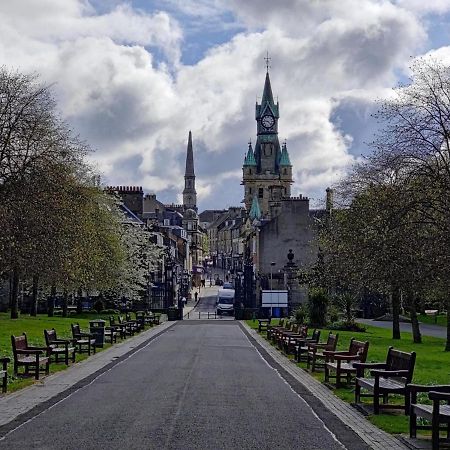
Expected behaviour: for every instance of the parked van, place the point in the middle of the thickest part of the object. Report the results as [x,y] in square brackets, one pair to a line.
[225,302]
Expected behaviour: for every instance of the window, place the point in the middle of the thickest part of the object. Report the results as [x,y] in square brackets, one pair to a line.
[189,225]
[285,171]
[249,190]
[261,192]
[166,222]
[249,171]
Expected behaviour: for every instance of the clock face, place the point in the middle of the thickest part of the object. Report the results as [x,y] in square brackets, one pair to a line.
[267,121]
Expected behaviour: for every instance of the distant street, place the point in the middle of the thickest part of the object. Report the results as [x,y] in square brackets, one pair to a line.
[207,305]
[200,385]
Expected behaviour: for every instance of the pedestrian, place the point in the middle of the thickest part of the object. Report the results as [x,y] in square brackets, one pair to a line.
[196,296]
[183,301]
[203,282]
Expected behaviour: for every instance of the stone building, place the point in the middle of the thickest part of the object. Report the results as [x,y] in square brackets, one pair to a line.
[277,224]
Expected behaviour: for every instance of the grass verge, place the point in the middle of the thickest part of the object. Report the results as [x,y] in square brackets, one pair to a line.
[431,366]
[34,328]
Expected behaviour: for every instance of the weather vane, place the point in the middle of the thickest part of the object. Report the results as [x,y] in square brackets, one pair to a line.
[267,59]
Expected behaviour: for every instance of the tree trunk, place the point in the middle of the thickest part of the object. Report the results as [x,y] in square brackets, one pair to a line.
[80,301]
[417,337]
[51,302]
[395,298]
[15,294]
[34,296]
[447,344]
[65,303]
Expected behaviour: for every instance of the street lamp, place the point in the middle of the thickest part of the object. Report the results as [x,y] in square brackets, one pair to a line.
[271,267]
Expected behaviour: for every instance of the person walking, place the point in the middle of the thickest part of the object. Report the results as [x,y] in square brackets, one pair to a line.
[196,296]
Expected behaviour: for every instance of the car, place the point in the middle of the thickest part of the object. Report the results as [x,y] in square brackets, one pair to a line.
[225,302]
[228,285]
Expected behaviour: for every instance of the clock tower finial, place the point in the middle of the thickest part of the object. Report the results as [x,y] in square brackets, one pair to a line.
[267,59]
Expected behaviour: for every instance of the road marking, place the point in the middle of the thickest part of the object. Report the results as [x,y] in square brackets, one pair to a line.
[296,393]
[152,339]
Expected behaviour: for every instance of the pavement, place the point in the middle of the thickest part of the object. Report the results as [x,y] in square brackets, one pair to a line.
[426,329]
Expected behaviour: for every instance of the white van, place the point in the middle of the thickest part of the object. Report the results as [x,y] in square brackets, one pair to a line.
[225,302]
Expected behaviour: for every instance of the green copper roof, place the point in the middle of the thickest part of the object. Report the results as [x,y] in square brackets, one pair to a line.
[284,159]
[255,210]
[250,158]
[267,93]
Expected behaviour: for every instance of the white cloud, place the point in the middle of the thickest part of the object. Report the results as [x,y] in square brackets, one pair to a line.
[136,110]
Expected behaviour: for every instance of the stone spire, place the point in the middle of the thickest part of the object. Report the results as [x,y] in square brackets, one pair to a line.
[267,96]
[189,192]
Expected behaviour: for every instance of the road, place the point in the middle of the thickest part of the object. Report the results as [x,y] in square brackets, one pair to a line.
[199,385]
[206,307]
[425,328]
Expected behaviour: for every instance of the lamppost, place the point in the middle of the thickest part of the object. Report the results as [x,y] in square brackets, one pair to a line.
[168,273]
[238,300]
[272,264]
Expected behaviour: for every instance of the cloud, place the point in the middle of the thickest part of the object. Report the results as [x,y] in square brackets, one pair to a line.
[120,83]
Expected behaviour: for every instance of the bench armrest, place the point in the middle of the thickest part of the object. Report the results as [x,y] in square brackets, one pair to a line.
[347,357]
[316,345]
[5,360]
[30,352]
[60,341]
[427,387]
[389,373]
[435,395]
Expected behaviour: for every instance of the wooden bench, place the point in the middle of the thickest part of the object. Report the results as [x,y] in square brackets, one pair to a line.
[111,334]
[301,345]
[4,373]
[263,324]
[278,330]
[341,362]
[289,338]
[30,357]
[128,327]
[436,413]
[58,347]
[390,377]
[271,328]
[118,327]
[83,340]
[134,323]
[315,355]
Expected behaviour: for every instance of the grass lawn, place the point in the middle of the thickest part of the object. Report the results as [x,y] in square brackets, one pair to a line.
[432,366]
[34,328]
[441,319]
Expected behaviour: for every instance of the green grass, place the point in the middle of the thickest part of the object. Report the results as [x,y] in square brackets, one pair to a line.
[432,366]
[34,328]
[441,319]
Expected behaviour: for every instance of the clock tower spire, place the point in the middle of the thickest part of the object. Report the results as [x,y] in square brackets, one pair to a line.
[267,171]
[189,192]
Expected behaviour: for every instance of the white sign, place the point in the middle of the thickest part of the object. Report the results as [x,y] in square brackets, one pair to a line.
[274,299]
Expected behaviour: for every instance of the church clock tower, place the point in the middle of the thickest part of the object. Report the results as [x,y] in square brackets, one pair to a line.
[189,192]
[267,170]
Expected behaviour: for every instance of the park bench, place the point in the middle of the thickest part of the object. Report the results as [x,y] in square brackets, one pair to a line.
[277,331]
[155,317]
[301,345]
[128,327]
[83,340]
[315,354]
[263,324]
[271,329]
[290,338]
[140,319]
[111,334]
[58,347]
[283,334]
[390,377]
[435,413]
[341,362]
[120,328]
[30,357]
[4,373]
[134,323]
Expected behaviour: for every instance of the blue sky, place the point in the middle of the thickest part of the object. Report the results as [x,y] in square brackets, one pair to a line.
[132,78]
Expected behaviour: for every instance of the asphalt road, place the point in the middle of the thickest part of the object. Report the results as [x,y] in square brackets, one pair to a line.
[207,305]
[200,385]
[425,328]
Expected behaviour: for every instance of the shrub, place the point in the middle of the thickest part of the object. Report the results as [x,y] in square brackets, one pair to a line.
[99,305]
[301,314]
[109,311]
[317,307]
[347,326]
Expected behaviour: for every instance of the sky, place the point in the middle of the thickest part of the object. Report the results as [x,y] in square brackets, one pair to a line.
[133,77]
